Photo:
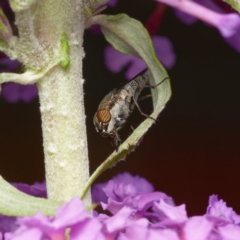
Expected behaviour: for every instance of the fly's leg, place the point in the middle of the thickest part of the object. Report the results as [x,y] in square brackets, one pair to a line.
[144,97]
[157,84]
[153,87]
[132,128]
[115,141]
[141,112]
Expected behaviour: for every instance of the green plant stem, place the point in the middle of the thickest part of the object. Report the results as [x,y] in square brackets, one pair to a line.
[61,102]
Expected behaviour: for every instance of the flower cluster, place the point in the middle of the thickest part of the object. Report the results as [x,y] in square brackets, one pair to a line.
[133,211]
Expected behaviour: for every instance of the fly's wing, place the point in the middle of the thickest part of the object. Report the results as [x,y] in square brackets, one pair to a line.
[124,84]
[108,101]
[135,87]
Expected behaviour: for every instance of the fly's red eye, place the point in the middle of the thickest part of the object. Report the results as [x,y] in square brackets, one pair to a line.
[103,116]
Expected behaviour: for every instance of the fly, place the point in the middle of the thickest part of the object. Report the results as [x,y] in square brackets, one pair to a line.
[115,108]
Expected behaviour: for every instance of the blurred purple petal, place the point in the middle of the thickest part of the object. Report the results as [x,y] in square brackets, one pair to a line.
[165,234]
[197,228]
[184,17]
[29,93]
[70,213]
[11,92]
[227,24]
[164,50]
[112,3]
[33,233]
[37,189]
[175,213]
[119,220]
[14,92]
[8,65]
[90,229]
[146,200]
[211,5]
[98,195]
[136,66]
[189,19]
[137,230]
[95,29]
[234,41]
[140,183]
[116,61]
[229,232]
[7,224]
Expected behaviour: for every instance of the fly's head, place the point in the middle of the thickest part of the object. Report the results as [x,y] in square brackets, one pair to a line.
[102,119]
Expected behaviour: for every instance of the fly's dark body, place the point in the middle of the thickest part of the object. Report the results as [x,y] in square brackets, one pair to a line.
[116,107]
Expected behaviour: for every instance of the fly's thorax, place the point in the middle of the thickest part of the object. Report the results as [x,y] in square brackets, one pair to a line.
[120,109]
[108,101]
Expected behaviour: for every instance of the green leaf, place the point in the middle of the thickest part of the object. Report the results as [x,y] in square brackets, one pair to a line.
[128,36]
[16,203]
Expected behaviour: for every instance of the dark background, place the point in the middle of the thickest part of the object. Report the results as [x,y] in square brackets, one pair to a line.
[192,152]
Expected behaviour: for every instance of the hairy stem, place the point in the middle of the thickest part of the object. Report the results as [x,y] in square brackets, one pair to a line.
[61,102]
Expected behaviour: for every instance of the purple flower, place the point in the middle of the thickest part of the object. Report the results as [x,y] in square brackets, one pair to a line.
[133,192]
[129,200]
[218,208]
[140,184]
[70,215]
[116,61]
